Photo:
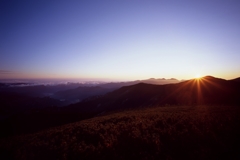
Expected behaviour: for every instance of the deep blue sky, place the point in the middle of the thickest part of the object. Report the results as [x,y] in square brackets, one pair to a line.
[118,39]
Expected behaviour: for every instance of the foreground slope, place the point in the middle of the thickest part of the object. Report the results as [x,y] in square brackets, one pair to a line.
[182,132]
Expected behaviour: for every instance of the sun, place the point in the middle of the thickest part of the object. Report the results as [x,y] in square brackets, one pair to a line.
[197,76]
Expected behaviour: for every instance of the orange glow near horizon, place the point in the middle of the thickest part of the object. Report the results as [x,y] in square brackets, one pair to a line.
[5,74]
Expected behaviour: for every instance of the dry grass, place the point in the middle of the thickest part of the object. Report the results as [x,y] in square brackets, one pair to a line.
[202,132]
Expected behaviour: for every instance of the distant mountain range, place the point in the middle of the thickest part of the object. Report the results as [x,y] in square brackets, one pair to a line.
[159,81]
[72,92]
[82,92]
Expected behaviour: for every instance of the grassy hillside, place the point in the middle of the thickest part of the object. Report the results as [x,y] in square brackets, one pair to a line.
[202,132]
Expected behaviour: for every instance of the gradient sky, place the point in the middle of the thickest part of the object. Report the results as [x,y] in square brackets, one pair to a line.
[118,39]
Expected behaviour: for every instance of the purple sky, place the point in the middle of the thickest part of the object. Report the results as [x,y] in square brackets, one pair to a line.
[119,40]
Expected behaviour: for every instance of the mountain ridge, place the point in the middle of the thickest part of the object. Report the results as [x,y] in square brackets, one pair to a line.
[207,90]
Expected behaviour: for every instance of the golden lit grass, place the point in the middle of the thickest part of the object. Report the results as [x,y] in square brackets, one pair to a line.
[159,132]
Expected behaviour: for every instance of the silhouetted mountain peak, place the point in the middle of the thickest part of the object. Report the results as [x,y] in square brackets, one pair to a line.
[209,77]
[214,79]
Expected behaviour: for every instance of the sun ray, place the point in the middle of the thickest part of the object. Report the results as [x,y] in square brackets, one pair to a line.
[199,92]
